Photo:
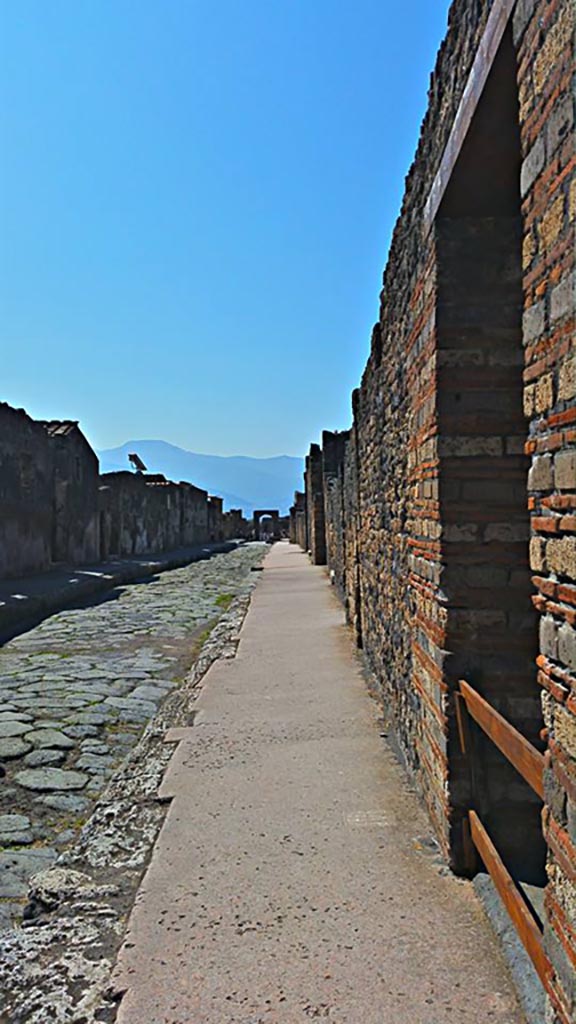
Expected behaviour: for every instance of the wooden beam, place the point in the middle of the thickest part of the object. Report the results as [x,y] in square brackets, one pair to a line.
[525,758]
[483,61]
[524,921]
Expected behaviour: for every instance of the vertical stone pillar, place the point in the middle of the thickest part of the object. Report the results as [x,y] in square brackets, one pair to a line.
[315,506]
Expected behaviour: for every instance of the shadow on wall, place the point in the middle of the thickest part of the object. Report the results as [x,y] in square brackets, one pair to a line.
[56,509]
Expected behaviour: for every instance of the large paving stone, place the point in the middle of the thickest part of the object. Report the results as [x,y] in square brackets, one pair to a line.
[95,747]
[64,802]
[49,738]
[13,747]
[13,822]
[13,728]
[151,693]
[79,731]
[15,829]
[94,762]
[50,779]
[38,758]
[14,716]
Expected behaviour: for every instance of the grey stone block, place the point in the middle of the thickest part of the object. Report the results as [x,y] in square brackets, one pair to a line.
[565,470]
[532,165]
[548,637]
[563,298]
[559,123]
[567,645]
[522,14]
[540,477]
[533,322]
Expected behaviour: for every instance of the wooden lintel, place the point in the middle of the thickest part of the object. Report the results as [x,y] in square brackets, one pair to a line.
[483,61]
[525,758]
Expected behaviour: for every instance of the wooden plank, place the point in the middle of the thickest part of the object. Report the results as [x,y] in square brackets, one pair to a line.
[525,758]
[524,922]
[483,61]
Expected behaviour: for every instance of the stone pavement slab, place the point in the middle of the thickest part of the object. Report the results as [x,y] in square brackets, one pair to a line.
[78,690]
[295,877]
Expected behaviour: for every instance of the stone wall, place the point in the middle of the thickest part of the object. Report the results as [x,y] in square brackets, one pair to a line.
[55,508]
[27,515]
[193,515]
[138,514]
[450,509]
[75,480]
[215,518]
[314,489]
[333,449]
[297,525]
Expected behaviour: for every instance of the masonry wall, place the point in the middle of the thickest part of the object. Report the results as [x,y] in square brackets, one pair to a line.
[545,36]
[193,515]
[314,487]
[26,471]
[141,513]
[55,508]
[75,482]
[333,449]
[215,519]
[450,520]
[297,531]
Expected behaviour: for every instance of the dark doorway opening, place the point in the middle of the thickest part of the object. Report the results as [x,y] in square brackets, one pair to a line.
[491,624]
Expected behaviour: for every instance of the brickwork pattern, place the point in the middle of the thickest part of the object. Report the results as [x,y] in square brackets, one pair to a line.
[450,505]
[544,35]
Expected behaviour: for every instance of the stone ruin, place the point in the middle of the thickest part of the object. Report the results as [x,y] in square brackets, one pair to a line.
[57,509]
[447,513]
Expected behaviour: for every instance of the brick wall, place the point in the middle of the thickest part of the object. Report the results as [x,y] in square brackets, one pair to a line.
[450,509]
[544,38]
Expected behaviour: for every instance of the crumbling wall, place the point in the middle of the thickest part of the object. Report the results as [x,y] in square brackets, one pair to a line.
[462,452]
[314,487]
[145,513]
[193,515]
[215,518]
[26,501]
[297,526]
[55,508]
[235,525]
[75,534]
[333,452]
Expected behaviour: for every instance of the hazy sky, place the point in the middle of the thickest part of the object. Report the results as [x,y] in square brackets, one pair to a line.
[196,200]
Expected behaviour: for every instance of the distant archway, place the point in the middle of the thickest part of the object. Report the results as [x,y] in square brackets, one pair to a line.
[266,524]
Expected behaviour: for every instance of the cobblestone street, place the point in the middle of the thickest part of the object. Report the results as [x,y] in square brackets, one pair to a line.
[76,693]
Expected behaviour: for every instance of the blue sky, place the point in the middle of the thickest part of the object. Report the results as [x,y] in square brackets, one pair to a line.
[196,201]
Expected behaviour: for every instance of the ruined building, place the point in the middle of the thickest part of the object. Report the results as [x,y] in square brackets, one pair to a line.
[55,508]
[447,513]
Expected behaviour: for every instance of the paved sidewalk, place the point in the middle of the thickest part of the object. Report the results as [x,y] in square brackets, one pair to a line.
[27,599]
[290,881]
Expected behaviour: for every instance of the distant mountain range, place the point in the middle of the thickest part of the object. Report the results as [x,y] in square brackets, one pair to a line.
[242,481]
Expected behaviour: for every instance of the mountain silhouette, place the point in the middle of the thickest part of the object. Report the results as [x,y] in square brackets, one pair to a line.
[244,482]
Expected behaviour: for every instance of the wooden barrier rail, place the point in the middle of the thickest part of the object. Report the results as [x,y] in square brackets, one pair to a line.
[525,758]
[529,762]
[524,921]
